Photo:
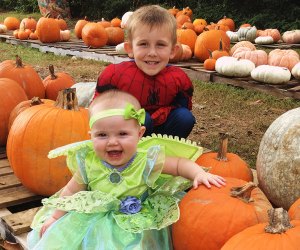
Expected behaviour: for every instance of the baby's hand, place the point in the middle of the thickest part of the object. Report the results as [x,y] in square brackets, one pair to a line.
[46,225]
[207,179]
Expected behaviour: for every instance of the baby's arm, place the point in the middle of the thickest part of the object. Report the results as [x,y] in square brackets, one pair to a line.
[190,170]
[71,188]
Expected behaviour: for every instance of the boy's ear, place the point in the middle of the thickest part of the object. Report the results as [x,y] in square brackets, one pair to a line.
[174,50]
[128,49]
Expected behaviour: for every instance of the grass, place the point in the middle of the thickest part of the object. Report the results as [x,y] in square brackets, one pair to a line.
[244,114]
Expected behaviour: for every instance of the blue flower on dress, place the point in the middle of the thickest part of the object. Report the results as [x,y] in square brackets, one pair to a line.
[130,205]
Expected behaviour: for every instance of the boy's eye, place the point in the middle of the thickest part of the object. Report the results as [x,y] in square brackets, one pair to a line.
[101,135]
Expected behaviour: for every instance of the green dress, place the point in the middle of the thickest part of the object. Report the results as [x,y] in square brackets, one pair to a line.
[95,220]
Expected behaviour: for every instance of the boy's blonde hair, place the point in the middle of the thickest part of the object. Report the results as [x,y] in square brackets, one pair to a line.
[111,99]
[153,16]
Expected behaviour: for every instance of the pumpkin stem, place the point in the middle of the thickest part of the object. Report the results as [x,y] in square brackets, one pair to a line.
[51,69]
[278,221]
[67,99]
[35,101]
[19,63]
[223,147]
[210,53]
[244,192]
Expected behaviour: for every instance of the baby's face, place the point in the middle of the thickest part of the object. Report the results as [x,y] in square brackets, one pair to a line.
[152,48]
[115,139]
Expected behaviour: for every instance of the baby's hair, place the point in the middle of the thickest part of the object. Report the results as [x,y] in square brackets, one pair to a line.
[153,16]
[114,98]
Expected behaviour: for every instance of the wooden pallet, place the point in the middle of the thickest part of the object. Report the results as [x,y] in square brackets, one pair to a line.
[18,205]
[193,68]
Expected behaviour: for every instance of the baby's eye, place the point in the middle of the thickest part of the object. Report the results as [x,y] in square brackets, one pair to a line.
[123,133]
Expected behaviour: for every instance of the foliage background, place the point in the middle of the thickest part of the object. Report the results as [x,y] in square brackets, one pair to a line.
[281,14]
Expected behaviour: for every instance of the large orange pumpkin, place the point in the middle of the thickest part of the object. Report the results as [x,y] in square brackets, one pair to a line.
[55,82]
[48,30]
[10,95]
[25,75]
[280,234]
[94,35]
[186,36]
[228,22]
[224,163]
[210,40]
[209,217]
[35,132]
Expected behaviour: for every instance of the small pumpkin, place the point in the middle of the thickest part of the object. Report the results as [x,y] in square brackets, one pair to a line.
[79,25]
[231,66]
[280,234]
[271,74]
[264,40]
[247,33]
[62,23]
[116,22]
[216,54]
[274,33]
[3,28]
[120,48]
[65,35]
[125,18]
[210,63]
[291,36]
[233,36]
[296,71]
[11,23]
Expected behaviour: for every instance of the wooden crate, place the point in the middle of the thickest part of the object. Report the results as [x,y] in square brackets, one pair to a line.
[18,205]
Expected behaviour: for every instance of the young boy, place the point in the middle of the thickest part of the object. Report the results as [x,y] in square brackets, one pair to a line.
[164,91]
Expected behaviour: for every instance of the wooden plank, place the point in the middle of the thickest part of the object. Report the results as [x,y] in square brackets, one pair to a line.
[4,163]
[20,222]
[196,75]
[8,181]
[6,170]
[16,195]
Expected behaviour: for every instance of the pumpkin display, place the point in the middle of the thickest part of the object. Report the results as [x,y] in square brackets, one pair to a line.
[274,33]
[242,44]
[231,66]
[225,164]
[280,234]
[78,27]
[94,35]
[186,36]
[296,71]
[85,92]
[11,93]
[278,160]
[25,105]
[264,40]
[271,74]
[210,40]
[214,215]
[25,75]
[247,33]
[56,82]
[35,132]
[294,210]
[11,23]
[48,30]
[291,36]
[115,35]
[258,57]
[228,22]
[283,57]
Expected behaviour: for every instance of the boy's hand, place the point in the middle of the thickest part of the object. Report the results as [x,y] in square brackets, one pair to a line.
[207,179]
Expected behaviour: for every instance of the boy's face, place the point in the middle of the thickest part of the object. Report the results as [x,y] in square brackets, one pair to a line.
[115,139]
[151,48]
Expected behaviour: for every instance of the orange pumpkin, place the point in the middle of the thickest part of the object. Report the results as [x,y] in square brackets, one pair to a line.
[35,132]
[224,163]
[11,23]
[228,22]
[258,57]
[187,36]
[48,30]
[105,23]
[209,63]
[210,40]
[181,19]
[216,214]
[116,22]
[28,23]
[62,23]
[78,27]
[200,21]
[24,105]
[173,11]
[25,75]
[115,35]
[280,234]
[294,210]
[11,93]
[274,33]
[287,58]
[56,82]
[94,35]
[220,52]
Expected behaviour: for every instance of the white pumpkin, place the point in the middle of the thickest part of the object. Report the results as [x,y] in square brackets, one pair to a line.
[247,33]
[121,49]
[233,36]
[65,35]
[264,40]
[271,74]
[231,66]
[291,36]
[125,18]
[85,92]
[296,71]
[3,28]
[278,160]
